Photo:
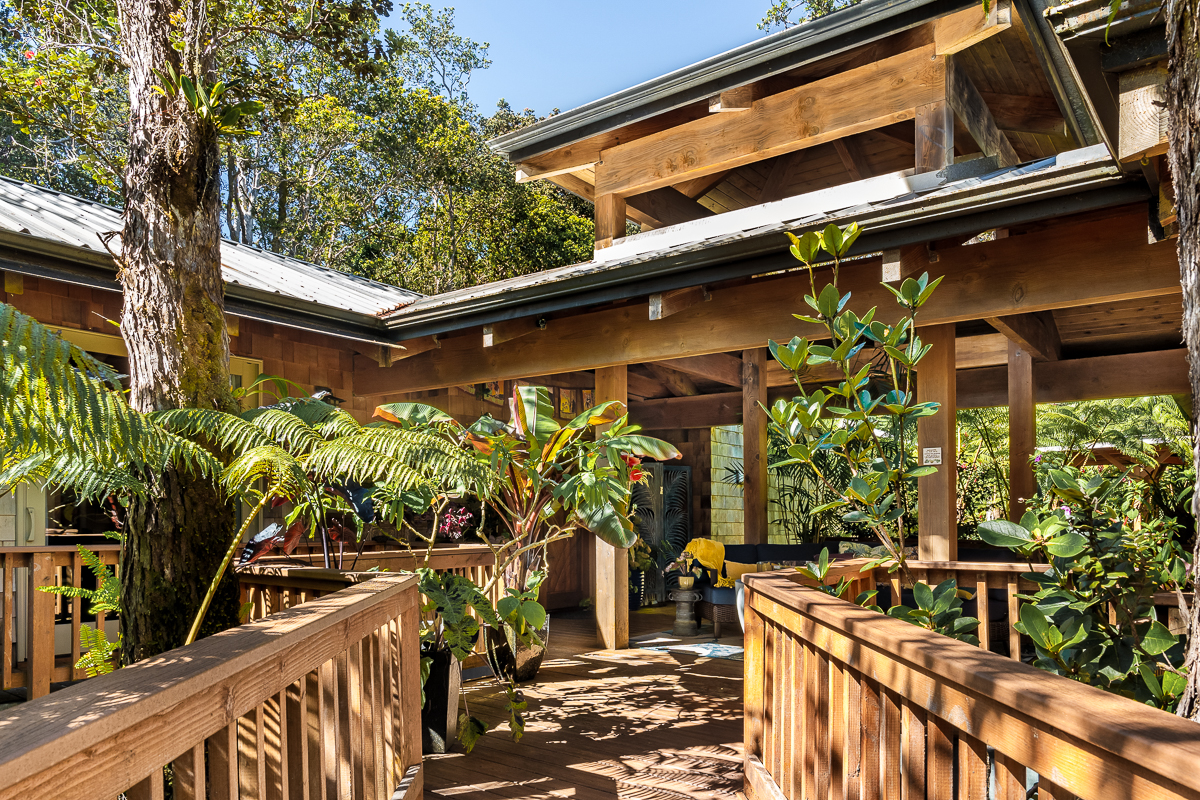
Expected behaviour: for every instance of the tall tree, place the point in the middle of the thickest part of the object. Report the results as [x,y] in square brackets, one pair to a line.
[1183,112]
[170,53]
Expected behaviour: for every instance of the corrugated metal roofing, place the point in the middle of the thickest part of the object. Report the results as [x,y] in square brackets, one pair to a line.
[880,203]
[65,219]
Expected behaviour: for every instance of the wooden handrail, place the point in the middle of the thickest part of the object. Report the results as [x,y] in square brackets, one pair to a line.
[32,621]
[272,584]
[321,700]
[845,702]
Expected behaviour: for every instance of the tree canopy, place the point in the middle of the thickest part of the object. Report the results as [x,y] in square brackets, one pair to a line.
[369,156]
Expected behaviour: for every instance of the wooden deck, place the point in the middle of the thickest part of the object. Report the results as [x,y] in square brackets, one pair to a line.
[634,724]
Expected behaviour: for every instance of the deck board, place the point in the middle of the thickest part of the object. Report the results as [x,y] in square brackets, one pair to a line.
[633,724]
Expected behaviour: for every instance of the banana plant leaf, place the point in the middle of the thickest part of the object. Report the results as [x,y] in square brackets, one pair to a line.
[533,414]
[604,521]
[411,414]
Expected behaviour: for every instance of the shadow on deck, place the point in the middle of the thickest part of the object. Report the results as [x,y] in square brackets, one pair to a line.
[636,724]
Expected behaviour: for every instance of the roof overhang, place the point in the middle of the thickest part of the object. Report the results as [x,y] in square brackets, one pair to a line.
[1071,188]
[81,266]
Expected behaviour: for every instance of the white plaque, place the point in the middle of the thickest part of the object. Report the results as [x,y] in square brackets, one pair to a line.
[931,456]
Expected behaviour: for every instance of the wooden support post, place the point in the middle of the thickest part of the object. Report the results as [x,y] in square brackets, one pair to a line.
[935,136]
[610,219]
[612,563]
[936,445]
[754,446]
[40,628]
[1022,417]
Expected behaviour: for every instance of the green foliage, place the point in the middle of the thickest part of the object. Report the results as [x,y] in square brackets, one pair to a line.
[470,729]
[98,658]
[516,706]
[521,611]
[784,14]
[863,423]
[817,572]
[452,597]
[939,609]
[208,102]
[540,467]
[67,423]
[1092,616]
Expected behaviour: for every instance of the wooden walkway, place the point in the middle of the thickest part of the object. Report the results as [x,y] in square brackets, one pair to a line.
[633,724]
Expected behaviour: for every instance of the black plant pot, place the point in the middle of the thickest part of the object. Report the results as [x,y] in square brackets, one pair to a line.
[439,717]
[510,659]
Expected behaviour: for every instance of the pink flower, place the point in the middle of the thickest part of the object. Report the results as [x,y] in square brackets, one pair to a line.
[1067,511]
[30,55]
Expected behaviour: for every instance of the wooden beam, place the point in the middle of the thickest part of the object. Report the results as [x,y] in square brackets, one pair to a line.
[612,563]
[1071,265]
[852,159]
[699,411]
[1019,114]
[701,186]
[1097,378]
[934,136]
[754,446]
[648,210]
[1143,115]
[501,332]
[667,206]
[643,386]
[976,117]
[1022,430]
[1036,333]
[719,367]
[781,176]
[664,304]
[677,383]
[610,220]
[526,173]
[858,100]
[958,31]
[937,494]
[989,350]
[909,261]
[739,99]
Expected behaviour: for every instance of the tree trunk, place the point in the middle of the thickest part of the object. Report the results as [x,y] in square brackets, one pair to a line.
[1183,109]
[173,322]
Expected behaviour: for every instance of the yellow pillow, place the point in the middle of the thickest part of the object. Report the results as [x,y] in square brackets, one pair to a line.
[734,571]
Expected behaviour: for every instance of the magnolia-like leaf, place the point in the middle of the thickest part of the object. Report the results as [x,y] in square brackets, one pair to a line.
[1068,545]
[604,521]
[1002,533]
[1158,639]
[1035,624]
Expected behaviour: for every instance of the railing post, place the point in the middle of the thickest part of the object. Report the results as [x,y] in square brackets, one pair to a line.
[40,625]
[753,678]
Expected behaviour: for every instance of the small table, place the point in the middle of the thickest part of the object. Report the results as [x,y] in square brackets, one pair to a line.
[685,617]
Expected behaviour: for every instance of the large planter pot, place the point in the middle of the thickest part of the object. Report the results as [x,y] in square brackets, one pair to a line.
[439,717]
[511,659]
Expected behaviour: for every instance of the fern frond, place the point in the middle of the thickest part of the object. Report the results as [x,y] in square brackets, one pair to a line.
[98,660]
[283,473]
[225,431]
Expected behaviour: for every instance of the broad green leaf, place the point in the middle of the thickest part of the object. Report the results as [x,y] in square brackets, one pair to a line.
[602,414]
[604,521]
[923,595]
[1036,626]
[1067,545]
[1158,639]
[410,414]
[1002,533]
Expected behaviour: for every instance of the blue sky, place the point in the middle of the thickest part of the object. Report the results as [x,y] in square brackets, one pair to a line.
[564,53]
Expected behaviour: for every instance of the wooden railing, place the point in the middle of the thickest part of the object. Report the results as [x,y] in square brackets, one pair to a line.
[273,584]
[32,620]
[320,701]
[842,702]
[999,582]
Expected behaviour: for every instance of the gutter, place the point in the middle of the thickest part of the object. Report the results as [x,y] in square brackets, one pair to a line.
[1076,189]
[835,33]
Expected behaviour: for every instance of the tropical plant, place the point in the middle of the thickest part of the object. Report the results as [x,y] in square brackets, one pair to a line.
[540,468]
[940,609]
[99,656]
[863,421]
[1092,617]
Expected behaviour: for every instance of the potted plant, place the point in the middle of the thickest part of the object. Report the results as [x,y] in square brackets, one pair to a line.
[548,479]
[684,566]
[641,558]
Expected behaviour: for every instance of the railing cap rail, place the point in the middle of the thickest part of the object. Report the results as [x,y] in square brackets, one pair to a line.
[1125,728]
[116,728]
[58,548]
